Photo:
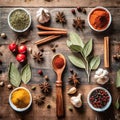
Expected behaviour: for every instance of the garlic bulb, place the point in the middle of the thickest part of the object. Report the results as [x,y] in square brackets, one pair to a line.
[43,16]
[72,90]
[76,100]
[101,76]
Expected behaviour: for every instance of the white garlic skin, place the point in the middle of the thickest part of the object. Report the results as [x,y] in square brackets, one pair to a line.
[101,76]
[76,100]
[72,90]
[43,19]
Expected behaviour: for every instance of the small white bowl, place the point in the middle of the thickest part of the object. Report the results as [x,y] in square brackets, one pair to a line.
[103,108]
[20,109]
[102,8]
[15,30]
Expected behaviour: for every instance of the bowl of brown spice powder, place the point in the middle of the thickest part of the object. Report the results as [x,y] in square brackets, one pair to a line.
[19,20]
[99,19]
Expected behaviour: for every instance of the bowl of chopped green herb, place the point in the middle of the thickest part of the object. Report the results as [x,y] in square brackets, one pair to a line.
[19,20]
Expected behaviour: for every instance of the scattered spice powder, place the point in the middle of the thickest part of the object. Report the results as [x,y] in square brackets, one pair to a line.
[20,98]
[99,19]
[59,62]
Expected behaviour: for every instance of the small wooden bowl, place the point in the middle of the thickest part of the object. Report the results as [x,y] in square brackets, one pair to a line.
[20,109]
[109,22]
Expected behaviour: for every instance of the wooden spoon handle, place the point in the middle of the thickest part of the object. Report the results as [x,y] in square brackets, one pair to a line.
[59,99]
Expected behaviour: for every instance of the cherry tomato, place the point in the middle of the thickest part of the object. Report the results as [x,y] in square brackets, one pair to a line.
[20,57]
[13,47]
[22,49]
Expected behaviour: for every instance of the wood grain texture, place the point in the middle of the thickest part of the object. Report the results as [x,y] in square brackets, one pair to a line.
[60,3]
[37,112]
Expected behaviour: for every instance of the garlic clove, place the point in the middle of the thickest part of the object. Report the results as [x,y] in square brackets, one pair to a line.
[99,71]
[103,80]
[104,73]
[96,77]
[76,100]
[43,15]
[72,90]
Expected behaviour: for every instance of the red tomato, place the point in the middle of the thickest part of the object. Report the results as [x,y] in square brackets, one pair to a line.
[20,57]
[13,47]
[22,49]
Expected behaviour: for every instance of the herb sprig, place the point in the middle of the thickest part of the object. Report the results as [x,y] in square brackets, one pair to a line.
[86,60]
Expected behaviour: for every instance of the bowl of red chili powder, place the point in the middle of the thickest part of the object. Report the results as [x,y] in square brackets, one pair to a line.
[99,19]
[99,99]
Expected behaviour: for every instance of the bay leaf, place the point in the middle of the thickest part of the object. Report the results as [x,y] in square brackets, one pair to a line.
[117,104]
[14,75]
[75,39]
[87,48]
[76,61]
[95,62]
[75,48]
[118,79]
[26,73]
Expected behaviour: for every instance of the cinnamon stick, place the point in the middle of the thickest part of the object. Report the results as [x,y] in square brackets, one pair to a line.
[50,28]
[106,52]
[47,39]
[52,33]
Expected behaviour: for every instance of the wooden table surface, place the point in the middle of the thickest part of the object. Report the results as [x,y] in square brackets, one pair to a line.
[42,112]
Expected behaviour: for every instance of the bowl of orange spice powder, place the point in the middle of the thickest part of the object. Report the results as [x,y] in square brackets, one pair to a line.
[99,19]
[20,99]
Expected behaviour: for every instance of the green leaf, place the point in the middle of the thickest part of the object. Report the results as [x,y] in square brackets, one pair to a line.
[117,104]
[14,75]
[26,74]
[76,61]
[76,40]
[76,48]
[87,48]
[69,43]
[118,79]
[95,62]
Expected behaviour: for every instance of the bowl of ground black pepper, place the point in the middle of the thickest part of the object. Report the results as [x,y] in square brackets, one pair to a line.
[99,19]
[99,99]
[19,20]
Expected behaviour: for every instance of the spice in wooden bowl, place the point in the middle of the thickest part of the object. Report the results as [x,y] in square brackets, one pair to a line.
[99,19]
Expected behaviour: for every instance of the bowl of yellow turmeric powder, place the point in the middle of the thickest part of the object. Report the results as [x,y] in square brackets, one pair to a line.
[99,19]
[20,99]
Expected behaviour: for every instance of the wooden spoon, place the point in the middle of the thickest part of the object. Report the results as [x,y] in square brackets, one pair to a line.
[59,96]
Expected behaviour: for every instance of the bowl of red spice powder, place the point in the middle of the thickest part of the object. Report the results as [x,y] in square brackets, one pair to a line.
[99,99]
[99,19]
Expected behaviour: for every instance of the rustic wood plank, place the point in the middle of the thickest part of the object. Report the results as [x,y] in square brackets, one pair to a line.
[60,3]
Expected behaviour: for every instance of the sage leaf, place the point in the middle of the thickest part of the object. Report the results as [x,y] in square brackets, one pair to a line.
[118,79]
[76,61]
[95,62]
[87,48]
[14,75]
[26,74]
[69,43]
[75,48]
[117,104]
[76,40]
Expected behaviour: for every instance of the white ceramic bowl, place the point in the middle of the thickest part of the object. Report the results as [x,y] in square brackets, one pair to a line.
[110,19]
[15,30]
[103,108]
[20,109]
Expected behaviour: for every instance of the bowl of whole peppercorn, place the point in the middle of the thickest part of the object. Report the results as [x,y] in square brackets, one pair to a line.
[19,20]
[99,99]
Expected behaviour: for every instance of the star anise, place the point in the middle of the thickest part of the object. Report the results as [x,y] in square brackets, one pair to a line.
[39,99]
[78,23]
[60,17]
[38,56]
[45,87]
[74,79]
